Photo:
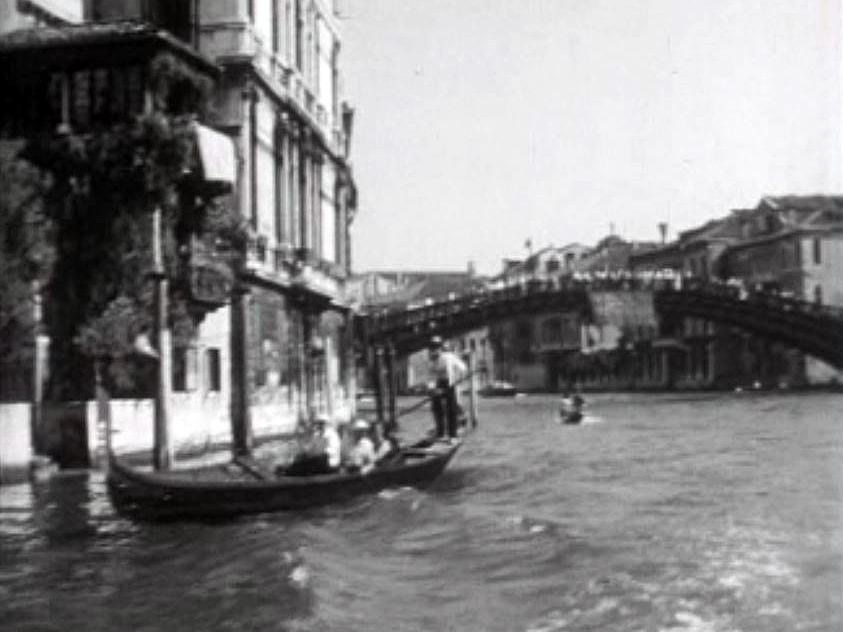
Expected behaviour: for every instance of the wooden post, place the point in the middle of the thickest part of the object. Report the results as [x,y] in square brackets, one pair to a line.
[37,391]
[472,392]
[103,415]
[162,455]
[377,382]
[241,421]
[392,379]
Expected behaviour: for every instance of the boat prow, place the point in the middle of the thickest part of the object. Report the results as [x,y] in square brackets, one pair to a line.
[229,490]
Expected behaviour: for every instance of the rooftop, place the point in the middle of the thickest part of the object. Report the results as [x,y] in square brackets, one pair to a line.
[124,32]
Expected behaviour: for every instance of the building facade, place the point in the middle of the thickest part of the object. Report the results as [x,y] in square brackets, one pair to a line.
[279,348]
[279,98]
[792,245]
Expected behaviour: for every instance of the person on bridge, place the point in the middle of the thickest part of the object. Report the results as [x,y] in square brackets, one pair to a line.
[446,370]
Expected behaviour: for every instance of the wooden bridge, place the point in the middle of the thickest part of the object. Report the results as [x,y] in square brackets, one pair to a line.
[814,329]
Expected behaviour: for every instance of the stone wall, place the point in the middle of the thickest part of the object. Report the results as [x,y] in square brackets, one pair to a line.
[15,442]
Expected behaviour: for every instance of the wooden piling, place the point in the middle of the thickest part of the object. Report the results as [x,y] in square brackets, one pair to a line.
[472,392]
[392,382]
[162,454]
[377,383]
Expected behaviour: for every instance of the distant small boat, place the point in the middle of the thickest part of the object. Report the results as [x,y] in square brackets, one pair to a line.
[571,411]
[573,417]
[499,389]
[241,488]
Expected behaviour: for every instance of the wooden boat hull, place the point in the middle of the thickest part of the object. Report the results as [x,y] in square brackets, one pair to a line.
[185,494]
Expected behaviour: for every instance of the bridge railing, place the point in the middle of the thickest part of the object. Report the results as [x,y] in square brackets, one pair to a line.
[513,292]
[772,299]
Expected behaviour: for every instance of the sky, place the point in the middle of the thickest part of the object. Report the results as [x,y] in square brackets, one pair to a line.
[481,124]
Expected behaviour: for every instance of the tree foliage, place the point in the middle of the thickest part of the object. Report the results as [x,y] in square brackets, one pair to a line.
[103,188]
[26,253]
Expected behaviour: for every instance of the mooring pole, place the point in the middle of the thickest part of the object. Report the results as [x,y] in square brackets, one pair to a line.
[37,392]
[103,451]
[162,456]
[378,383]
[392,379]
[241,422]
[472,392]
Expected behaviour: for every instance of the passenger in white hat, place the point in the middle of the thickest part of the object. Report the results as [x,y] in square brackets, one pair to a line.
[331,440]
[362,456]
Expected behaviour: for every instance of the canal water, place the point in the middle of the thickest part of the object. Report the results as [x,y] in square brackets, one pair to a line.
[676,513]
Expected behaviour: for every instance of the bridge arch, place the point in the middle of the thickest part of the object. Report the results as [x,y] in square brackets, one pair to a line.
[814,329]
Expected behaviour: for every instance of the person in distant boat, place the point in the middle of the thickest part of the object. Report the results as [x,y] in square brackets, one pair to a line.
[323,453]
[362,457]
[386,445]
[571,408]
[446,370]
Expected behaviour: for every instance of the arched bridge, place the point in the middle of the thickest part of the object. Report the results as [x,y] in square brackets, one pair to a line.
[815,329]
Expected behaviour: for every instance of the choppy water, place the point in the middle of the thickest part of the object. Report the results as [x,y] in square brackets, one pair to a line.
[672,513]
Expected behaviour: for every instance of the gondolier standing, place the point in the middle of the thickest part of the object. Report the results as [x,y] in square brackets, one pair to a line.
[446,370]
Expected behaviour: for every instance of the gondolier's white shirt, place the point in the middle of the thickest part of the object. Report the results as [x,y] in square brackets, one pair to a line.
[447,366]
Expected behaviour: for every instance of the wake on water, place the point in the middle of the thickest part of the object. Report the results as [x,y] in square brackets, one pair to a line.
[586,420]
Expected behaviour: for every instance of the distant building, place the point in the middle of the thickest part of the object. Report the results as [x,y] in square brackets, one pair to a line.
[406,289]
[26,14]
[792,245]
[788,244]
[612,254]
[542,351]
[546,263]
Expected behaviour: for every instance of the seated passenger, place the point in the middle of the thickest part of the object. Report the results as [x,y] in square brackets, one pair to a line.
[386,445]
[321,455]
[362,457]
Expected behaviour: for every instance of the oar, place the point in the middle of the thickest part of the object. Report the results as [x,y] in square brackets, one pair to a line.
[248,467]
[427,398]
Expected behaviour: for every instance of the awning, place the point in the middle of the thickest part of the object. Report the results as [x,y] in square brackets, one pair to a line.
[61,10]
[217,157]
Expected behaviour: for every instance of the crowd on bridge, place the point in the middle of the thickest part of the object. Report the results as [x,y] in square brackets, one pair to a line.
[615,280]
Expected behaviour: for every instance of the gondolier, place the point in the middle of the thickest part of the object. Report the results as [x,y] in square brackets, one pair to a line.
[446,371]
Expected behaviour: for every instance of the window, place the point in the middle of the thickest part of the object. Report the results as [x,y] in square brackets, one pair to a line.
[280,186]
[817,251]
[134,89]
[173,16]
[299,27]
[117,94]
[818,294]
[185,369]
[276,28]
[81,100]
[551,331]
[55,99]
[769,224]
[214,370]
[100,106]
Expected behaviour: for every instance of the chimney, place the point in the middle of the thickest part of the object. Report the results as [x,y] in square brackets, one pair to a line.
[663,231]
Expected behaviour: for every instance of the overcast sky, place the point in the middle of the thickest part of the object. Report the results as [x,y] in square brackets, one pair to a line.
[481,123]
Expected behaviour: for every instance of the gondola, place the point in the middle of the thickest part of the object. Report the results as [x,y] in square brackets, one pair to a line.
[224,491]
[499,389]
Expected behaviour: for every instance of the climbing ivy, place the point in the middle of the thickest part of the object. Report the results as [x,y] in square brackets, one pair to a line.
[102,189]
